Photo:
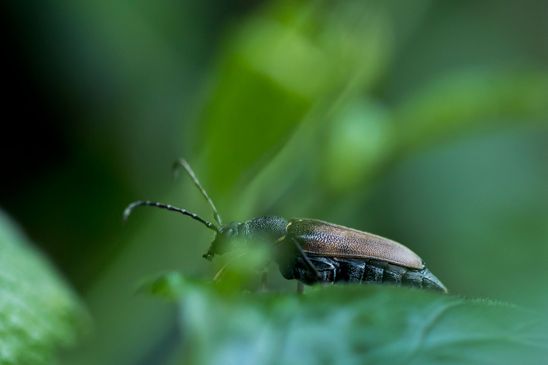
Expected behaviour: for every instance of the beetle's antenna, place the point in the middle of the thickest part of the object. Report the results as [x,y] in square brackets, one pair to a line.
[139,203]
[182,163]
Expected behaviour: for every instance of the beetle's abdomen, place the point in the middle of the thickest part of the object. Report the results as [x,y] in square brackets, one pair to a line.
[348,270]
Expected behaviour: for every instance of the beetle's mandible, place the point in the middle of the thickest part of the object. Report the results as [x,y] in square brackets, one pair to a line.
[314,251]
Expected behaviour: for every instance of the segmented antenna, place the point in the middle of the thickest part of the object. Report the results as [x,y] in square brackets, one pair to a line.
[182,163]
[140,203]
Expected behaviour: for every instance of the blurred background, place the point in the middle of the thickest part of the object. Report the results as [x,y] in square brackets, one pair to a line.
[426,122]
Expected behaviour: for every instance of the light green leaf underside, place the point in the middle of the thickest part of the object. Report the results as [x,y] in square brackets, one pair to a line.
[351,325]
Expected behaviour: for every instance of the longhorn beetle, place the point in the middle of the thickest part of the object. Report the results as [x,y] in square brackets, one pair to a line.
[314,251]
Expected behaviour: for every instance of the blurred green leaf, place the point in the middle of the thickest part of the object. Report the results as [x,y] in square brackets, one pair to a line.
[467,100]
[286,66]
[253,108]
[38,313]
[358,141]
[352,325]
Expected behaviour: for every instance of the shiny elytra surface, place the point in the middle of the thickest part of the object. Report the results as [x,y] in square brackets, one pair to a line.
[332,240]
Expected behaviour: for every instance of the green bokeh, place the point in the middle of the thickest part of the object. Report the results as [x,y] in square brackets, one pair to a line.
[423,122]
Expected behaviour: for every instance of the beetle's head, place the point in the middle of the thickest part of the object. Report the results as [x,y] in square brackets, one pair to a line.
[223,240]
[235,235]
[223,232]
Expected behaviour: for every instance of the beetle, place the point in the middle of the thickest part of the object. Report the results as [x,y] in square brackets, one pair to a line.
[313,251]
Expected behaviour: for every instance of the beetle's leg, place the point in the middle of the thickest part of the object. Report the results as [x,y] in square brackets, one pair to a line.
[263,281]
[305,257]
[300,287]
[219,273]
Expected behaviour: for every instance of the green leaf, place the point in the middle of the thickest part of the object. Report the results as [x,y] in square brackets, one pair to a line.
[359,140]
[465,101]
[285,67]
[38,313]
[254,108]
[353,324]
